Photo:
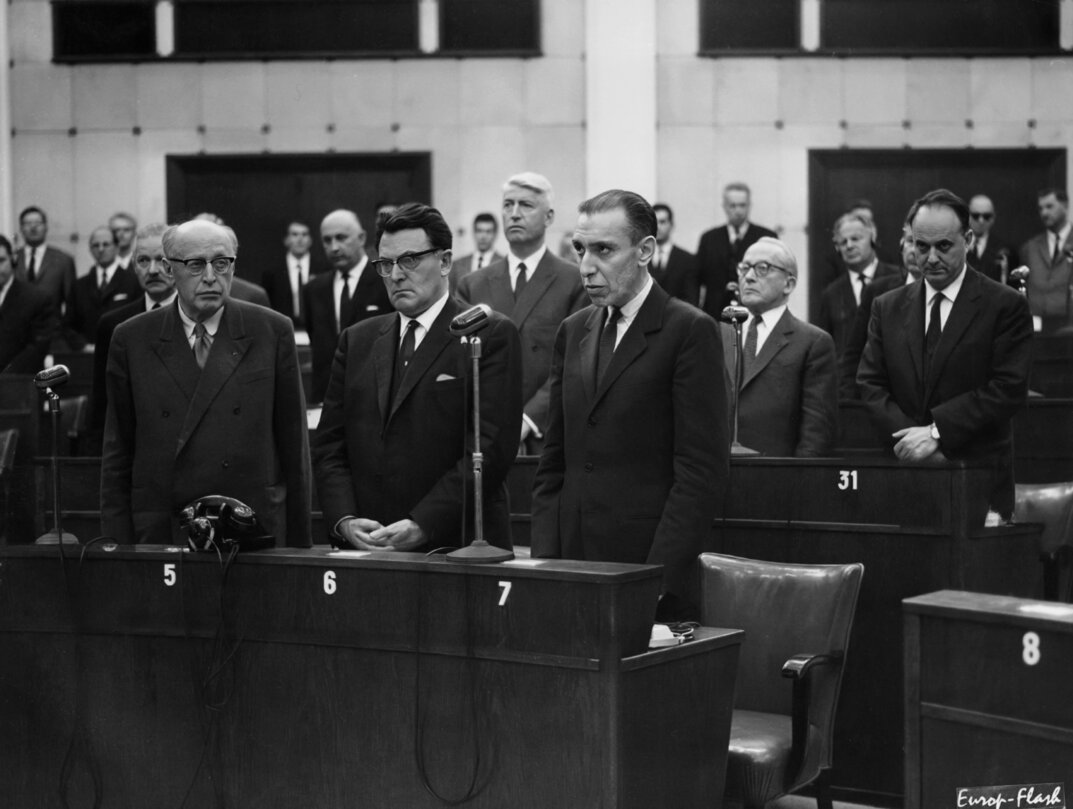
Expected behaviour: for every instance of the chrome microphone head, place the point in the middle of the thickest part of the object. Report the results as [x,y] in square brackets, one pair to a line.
[734,314]
[52,377]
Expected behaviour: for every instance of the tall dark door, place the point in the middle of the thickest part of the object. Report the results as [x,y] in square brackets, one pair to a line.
[259,195]
[892,178]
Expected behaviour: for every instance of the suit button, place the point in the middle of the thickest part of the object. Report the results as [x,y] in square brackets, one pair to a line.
[165,414]
[592,422]
[588,467]
[226,464]
[237,409]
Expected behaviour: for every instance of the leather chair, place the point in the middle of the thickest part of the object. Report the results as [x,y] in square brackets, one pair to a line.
[9,442]
[797,621]
[1052,505]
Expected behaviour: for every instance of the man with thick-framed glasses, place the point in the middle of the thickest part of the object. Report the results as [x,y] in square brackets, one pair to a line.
[204,397]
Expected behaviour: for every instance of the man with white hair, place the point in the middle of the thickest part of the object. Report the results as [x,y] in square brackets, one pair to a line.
[533,287]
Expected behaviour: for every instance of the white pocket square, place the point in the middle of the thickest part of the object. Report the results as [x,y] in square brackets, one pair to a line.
[445,378]
[120,296]
[372,307]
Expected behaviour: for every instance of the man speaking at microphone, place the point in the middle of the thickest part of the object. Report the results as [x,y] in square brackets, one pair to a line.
[392,453]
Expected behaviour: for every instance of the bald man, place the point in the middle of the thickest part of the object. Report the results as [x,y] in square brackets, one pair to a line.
[105,287]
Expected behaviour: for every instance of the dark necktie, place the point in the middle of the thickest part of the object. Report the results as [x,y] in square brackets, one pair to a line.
[156,305]
[346,315]
[406,353]
[1057,249]
[104,280]
[750,343]
[480,262]
[607,341]
[296,305]
[31,271]
[935,330]
[519,285]
[202,344]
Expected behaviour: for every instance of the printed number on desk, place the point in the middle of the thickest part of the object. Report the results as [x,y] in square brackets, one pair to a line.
[170,577]
[505,587]
[847,480]
[329,582]
[1030,649]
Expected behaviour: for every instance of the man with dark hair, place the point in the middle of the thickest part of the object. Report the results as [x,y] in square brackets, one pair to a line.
[989,254]
[27,319]
[285,283]
[204,398]
[485,230]
[533,287]
[44,266]
[1049,258]
[673,268]
[636,458]
[721,249]
[946,364]
[393,450]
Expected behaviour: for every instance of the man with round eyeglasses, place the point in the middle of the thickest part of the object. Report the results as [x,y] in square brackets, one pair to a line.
[204,397]
[392,452]
[789,388]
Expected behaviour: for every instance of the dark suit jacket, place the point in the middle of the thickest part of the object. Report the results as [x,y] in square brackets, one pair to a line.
[55,274]
[838,307]
[553,293]
[717,263]
[369,300]
[28,321]
[387,460]
[789,397]
[634,469]
[988,263]
[88,302]
[1048,284]
[106,327]
[858,333]
[461,267]
[977,381]
[243,290]
[277,285]
[175,432]
[679,278]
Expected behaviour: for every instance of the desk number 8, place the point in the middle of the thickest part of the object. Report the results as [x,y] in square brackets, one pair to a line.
[1030,653]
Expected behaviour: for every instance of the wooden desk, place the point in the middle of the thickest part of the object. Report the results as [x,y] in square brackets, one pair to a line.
[988,694]
[916,529]
[339,674]
[20,408]
[1052,365]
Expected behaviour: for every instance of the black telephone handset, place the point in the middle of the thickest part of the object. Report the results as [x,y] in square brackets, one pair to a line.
[216,522]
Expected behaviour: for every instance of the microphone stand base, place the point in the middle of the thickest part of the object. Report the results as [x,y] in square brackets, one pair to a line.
[480,552]
[738,451]
[50,539]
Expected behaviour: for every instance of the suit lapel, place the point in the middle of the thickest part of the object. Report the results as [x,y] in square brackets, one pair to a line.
[174,352]
[499,289]
[775,342]
[588,348]
[384,348]
[635,341]
[962,313]
[228,348]
[912,315]
[437,339]
[534,290]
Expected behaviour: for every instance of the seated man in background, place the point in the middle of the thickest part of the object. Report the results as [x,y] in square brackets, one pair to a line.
[393,450]
[789,392]
[27,319]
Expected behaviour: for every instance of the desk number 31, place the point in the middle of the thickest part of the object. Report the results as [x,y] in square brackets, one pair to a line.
[847,480]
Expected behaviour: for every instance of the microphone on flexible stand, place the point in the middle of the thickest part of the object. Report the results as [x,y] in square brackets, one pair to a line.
[734,291]
[479,552]
[1020,275]
[1002,264]
[45,381]
[736,315]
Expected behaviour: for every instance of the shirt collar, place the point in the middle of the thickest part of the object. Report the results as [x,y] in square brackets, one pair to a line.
[211,325]
[426,318]
[869,270]
[163,304]
[631,307]
[950,292]
[771,316]
[1063,233]
[6,287]
[531,261]
[357,269]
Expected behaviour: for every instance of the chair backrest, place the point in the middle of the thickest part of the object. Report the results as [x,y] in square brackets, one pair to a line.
[9,442]
[1050,504]
[785,609]
[74,415]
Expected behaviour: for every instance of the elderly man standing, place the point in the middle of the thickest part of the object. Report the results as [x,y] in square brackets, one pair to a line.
[204,397]
[637,454]
[946,364]
[789,391]
[533,287]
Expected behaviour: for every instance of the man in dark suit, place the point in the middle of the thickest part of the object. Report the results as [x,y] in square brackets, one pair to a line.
[204,397]
[1049,258]
[45,267]
[533,287]
[636,458]
[485,230]
[27,319]
[989,254]
[336,300]
[673,268]
[286,282]
[393,448]
[147,262]
[789,391]
[124,229]
[947,360]
[105,287]
[855,240]
[721,249]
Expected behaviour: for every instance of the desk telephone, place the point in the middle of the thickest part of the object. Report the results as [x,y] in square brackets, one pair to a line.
[215,522]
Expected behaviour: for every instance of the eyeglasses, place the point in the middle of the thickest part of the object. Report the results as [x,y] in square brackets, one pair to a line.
[987,217]
[407,262]
[196,266]
[145,262]
[760,269]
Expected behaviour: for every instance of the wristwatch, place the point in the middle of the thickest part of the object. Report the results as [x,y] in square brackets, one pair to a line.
[934,431]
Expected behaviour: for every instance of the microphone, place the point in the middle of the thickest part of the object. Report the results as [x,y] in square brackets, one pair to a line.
[1020,274]
[734,314]
[473,319]
[52,377]
[733,288]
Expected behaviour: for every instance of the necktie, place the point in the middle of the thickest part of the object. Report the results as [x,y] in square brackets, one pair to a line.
[31,271]
[480,262]
[406,353]
[202,344]
[104,279]
[750,343]
[346,315]
[935,330]
[1057,248]
[155,306]
[519,285]
[607,341]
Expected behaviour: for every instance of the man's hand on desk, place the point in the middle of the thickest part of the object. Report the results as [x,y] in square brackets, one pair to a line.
[403,535]
[917,444]
[357,530]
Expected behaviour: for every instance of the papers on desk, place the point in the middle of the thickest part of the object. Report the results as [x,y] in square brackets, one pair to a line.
[349,554]
[313,417]
[1047,610]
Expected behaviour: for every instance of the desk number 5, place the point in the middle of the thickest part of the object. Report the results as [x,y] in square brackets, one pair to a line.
[847,480]
[169,575]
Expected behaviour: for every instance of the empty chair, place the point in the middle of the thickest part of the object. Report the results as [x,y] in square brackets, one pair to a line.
[797,621]
[1052,505]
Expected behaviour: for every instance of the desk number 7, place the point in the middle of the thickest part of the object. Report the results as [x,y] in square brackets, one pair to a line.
[847,480]
[505,587]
